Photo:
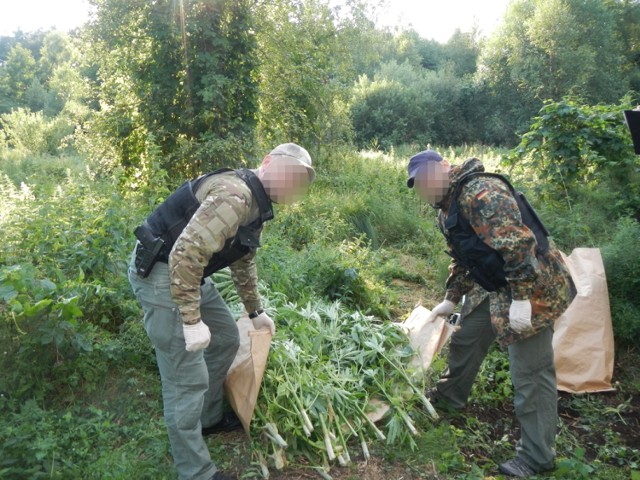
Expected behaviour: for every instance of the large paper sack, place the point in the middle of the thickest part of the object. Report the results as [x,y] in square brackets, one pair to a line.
[243,380]
[583,339]
[427,334]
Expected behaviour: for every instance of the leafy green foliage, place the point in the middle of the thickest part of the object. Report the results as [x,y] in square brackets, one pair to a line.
[43,336]
[577,150]
[493,385]
[186,86]
[16,76]
[34,134]
[305,73]
[571,144]
[388,112]
[622,264]
[113,439]
[575,467]
[548,49]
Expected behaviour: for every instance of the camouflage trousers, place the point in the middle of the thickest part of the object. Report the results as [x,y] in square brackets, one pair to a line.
[533,375]
[192,382]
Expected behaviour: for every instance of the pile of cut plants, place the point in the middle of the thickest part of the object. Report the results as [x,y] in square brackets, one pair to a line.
[336,381]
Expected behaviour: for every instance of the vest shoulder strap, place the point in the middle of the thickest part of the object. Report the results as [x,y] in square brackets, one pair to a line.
[257,189]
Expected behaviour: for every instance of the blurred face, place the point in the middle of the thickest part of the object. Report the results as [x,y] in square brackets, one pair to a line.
[285,180]
[432,181]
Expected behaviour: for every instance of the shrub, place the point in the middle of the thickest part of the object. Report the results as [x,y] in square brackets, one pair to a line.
[570,147]
[622,265]
[391,108]
[43,335]
[34,133]
[348,271]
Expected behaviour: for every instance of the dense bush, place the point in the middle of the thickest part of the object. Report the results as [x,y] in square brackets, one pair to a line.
[36,134]
[572,148]
[622,264]
[408,104]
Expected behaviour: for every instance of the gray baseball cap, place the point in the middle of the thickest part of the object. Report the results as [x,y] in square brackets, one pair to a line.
[297,153]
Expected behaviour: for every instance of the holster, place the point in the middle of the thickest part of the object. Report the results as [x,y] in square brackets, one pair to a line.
[148,250]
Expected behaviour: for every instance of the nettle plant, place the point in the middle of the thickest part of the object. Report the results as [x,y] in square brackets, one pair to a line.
[42,333]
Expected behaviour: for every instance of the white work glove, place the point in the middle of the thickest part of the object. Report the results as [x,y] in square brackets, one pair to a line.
[196,336]
[263,320]
[520,315]
[443,309]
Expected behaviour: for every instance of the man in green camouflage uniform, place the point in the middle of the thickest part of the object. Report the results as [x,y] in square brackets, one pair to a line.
[529,288]
[208,223]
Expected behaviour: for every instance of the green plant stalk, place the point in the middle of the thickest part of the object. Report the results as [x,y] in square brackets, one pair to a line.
[320,471]
[272,432]
[264,469]
[343,443]
[278,458]
[377,431]
[327,439]
[425,401]
[365,449]
[306,421]
[408,422]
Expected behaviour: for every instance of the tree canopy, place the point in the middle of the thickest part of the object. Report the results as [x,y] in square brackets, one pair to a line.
[190,85]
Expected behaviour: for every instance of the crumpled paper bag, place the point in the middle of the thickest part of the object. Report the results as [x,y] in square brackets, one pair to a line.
[427,334]
[583,340]
[244,377]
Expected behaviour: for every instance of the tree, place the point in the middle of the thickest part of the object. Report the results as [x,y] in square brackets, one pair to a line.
[628,18]
[462,52]
[305,73]
[56,50]
[391,109]
[547,49]
[16,77]
[573,147]
[178,75]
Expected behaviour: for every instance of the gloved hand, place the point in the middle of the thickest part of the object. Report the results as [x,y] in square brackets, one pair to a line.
[443,309]
[264,320]
[520,315]
[196,336]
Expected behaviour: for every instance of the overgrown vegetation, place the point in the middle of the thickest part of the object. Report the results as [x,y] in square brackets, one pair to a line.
[77,358]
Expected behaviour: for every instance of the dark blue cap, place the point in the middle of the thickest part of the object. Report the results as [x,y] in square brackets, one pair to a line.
[419,160]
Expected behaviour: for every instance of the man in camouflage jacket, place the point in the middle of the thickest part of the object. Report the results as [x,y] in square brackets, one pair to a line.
[532,288]
[208,223]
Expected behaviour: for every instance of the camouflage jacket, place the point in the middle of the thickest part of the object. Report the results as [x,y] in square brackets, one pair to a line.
[489,206]
[226,203]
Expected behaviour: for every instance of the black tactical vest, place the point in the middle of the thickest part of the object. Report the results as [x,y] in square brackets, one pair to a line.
[172,216]
[485,264]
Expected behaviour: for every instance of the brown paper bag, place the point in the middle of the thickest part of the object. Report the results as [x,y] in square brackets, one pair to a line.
[242,384]
[583,339]
[427,334]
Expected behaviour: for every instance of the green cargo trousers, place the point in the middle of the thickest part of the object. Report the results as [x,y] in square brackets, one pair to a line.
[192,382]
[533,375]
[467,349]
